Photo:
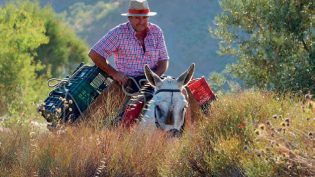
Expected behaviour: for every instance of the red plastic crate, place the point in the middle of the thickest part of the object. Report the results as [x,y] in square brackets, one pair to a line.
[201,90]
[132,112]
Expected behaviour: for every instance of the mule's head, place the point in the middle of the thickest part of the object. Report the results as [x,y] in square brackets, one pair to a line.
[169,104]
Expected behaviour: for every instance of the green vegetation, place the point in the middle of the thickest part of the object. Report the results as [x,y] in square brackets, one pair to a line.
[64,51]
[246,134]
[34,45]
[273,41]
[22,32]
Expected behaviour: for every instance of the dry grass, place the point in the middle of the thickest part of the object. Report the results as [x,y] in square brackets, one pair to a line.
[236,139]
[241,137]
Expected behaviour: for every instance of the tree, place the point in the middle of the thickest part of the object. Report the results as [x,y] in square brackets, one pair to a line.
[65,50]
[21,34]
[273,41]
[33,43]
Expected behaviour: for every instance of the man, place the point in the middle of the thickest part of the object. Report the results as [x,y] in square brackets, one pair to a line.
[133,45]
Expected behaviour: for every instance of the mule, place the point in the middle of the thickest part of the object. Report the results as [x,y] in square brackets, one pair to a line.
[167,109]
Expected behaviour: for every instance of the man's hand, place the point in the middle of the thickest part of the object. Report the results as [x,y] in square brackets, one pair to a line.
[161,67]
[102,63]
[120,77]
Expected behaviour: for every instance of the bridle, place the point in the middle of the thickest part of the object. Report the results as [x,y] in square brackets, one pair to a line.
[167,90]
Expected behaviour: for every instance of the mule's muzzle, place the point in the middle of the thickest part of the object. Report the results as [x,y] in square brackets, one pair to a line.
[175,133]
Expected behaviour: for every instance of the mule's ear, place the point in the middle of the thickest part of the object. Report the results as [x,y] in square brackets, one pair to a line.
[185,77]
[152,78]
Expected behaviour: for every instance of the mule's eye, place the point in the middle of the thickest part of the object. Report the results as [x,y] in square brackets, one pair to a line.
[158,110]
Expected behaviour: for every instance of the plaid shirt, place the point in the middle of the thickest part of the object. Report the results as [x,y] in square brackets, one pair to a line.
[129,55]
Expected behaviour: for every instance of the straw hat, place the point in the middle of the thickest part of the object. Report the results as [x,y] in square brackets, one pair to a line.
[139,8]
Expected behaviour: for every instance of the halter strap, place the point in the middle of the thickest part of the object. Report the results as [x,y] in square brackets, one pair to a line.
[167,90]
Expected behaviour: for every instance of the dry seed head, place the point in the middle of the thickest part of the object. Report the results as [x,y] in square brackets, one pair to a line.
[310,134]
[275,116]
[245,148]
[262,127]
[268,123]
[283,124]
[287,120]
[257,132]
[289,167]
[258,154]
[283,130]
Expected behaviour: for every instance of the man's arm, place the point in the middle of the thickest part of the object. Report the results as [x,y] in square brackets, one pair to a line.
[161,67]
[103,64]
[162,64]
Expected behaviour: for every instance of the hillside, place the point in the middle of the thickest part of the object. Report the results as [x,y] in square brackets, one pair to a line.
[185,24]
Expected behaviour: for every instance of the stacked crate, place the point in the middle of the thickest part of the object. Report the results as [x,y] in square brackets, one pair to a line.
[74,94]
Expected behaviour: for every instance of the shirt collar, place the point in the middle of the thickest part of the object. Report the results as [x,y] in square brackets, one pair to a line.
[133,31]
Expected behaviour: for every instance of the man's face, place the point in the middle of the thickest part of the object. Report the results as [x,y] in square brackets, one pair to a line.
[139,23]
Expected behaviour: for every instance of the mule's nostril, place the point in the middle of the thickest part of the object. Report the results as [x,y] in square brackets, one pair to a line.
[169,118]
[175,133]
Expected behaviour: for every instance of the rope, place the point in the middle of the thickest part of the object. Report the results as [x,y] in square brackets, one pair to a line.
[62,83]
[138,85]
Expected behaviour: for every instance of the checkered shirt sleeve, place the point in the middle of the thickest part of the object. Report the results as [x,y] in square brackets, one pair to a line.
[107,45]
[163,55]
